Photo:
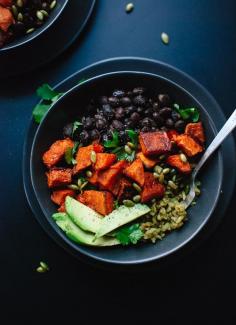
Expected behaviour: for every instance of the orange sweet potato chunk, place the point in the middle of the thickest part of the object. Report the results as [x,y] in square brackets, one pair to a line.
[176,162]
[135,171]
[154,143]
[6,3]
[104,160]
[195,131]
[6,18]
[83,158]
[56,152]
[97,147]
[100,201]
[148,162]
[152,189]
[94,178]
[59,196]
[172,134]
[108,178]
[188,145]
[58,177]
[126,190]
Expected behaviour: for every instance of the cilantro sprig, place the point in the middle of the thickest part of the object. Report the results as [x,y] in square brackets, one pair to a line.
[48,96]
[114,142]
[129,234]
[191,113]
[69,154]
[133,137]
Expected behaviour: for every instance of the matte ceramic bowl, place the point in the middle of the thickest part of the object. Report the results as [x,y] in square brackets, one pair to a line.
[72,106]
[12,56]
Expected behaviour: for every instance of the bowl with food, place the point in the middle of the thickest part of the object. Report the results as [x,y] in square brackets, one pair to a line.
[111,164]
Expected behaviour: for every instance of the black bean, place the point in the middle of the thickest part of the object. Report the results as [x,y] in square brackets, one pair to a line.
[118,93]
[158,119]
[130,124]
[169,123]
[140,110]
[147,112]
[145,129]
[164,100]
[103,100]
[125,101]
[68,130]
[147,122]
[138,91]
[163,128]
[84,137]
[107,111]
[165,112]
[117,125]
[119,113]
[175,116]
[18,29]
[114,101]
[88,123]
[94,134]
[153,129]
[130,109]
[135,117]
[105,137]
[129,93]
[139,100]
[101,124]
[155,106]
[180,125]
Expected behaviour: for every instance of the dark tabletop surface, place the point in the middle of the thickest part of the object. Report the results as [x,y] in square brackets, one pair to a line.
[195,289]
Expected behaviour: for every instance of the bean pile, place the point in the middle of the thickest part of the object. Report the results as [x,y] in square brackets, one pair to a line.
[126,110]
[27,16]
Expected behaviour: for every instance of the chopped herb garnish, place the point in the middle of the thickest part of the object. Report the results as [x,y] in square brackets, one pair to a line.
[129,234]
[76,125]
[133,137]
[191,113]
[123,155]
[48,96]
[114,142]
[69,154]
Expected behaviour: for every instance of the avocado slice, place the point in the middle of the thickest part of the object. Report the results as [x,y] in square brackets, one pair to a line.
[80,236]
[83,216]
[119,217]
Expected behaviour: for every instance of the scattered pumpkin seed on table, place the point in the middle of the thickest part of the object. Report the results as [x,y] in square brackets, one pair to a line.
[129,7]
[165,38]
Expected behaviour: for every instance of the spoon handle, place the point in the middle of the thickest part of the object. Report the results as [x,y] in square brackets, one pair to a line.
[227,128]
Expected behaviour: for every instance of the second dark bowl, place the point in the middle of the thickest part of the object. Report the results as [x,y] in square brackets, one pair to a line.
[70,107]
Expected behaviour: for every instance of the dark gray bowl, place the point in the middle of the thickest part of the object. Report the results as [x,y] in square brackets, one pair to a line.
[69,108]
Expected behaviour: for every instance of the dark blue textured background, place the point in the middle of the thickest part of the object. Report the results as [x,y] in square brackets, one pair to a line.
[203,44]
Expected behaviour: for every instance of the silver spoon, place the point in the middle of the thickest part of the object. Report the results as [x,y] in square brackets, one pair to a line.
[223,133]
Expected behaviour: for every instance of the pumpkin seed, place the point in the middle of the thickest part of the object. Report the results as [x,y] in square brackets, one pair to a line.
[183,158]
[155,175]
[162,157]
[129,7]
[73,187]
[172,185]
[165,38]
[137,198]
[127,149]
[89,173]
[83,185]
[14,10]
[158,169]
[19,3]
[40,269]
[128,203]
[44,12]
[20,16]
[131,145]
[137,187]
[44,266]
[79,182]
[93,156]
[166,171]
[30,30]
[39,15]
[161,178]
[53,4]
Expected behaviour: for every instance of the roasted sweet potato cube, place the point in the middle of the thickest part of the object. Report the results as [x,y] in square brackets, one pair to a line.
[6,18]
[97,147]
[59,196]
[100,201]
[135,171]
[152,189]
[177,163]
[172,134]
[6,3]
[126,190]
[115,189]
[83,158]
[59,177]
[148,162]
[109,177]
[188,145]
[94,178]
[195,131]
[154,143]
[104,160]
[56,152]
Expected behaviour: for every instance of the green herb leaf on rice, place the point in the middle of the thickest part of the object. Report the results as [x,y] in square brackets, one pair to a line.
[129,234]
[191,113]
[114,142]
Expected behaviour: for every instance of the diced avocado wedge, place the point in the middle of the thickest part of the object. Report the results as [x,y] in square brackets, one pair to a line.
[119,217]
[83,216]
[80,236]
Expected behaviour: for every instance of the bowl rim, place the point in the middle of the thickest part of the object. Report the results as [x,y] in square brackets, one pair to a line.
[23,41]
[79,247]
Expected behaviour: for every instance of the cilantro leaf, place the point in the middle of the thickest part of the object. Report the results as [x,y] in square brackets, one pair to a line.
[69,154]
[121,154]
[191,113]
[76,126]
[39,111]
[46,92]
[129,234]
[114,142]
[133,136]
